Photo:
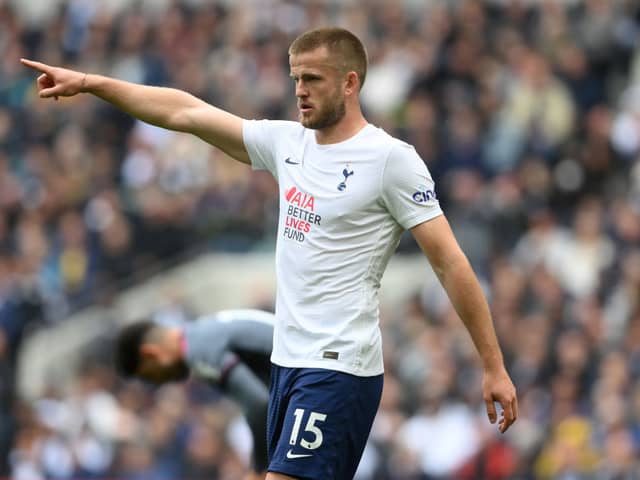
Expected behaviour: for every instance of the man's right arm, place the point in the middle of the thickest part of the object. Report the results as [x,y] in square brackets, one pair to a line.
[165,107]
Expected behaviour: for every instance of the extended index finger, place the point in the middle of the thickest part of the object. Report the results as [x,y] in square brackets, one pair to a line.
[41,67]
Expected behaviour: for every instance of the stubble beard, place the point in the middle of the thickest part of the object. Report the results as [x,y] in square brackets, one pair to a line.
[331,114]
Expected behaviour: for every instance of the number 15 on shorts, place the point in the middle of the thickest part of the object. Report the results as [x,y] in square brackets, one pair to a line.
[311,430]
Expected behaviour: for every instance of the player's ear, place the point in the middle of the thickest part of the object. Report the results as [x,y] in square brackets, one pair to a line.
[352,83]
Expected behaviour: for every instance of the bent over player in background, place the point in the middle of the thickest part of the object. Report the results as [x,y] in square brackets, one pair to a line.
[347,192]
[230,350]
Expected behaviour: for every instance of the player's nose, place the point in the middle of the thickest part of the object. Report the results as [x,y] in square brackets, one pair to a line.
[301,91]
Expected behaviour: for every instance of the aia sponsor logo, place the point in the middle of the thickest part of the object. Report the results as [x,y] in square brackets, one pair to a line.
[300,216]
[424,194]
[300,199]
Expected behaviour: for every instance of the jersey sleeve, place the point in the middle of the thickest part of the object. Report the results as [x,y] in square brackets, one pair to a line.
[207,341]
[408,191]
[258,137]
[248,330]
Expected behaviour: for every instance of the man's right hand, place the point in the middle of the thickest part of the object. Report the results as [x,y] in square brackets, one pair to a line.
[57,82]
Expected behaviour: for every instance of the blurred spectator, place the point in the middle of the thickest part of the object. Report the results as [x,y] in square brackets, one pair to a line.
[568,453]
[537,114]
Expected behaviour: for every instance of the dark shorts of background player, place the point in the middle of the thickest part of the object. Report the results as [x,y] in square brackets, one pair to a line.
[319,421]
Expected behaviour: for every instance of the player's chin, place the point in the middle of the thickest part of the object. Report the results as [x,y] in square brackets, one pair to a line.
[312,123]
[305,119]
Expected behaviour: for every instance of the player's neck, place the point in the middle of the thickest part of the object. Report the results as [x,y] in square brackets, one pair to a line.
[346,128]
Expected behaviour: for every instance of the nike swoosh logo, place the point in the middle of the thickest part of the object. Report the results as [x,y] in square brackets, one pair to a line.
[292,455]
[290,162]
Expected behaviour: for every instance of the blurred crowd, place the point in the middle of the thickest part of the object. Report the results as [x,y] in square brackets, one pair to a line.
[527,113]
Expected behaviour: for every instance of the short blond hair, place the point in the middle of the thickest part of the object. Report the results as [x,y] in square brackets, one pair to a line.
[345,49]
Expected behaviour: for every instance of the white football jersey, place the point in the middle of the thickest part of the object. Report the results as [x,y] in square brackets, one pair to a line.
[343,208]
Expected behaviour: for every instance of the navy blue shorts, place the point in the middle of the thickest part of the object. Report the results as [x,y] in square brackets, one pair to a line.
[319,421]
